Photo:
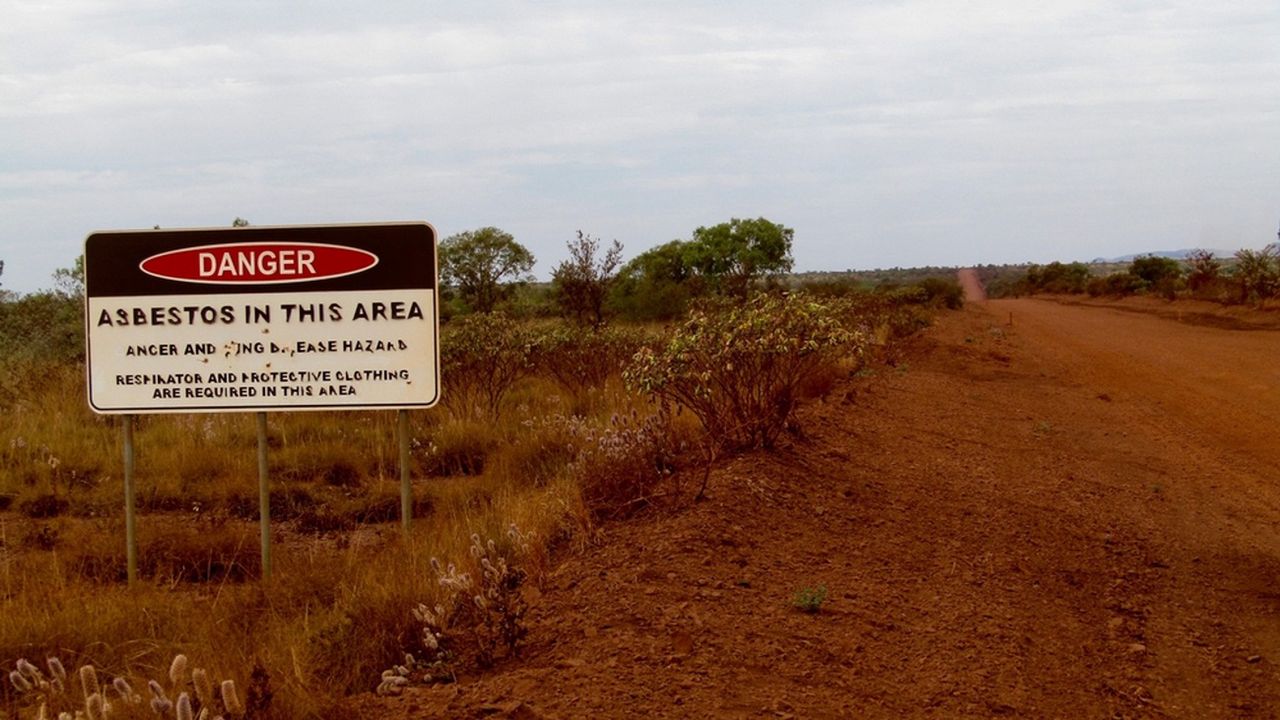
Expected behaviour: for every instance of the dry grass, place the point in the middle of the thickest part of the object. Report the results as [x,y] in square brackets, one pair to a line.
[337,610]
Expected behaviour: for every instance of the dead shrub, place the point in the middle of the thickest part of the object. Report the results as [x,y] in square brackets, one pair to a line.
[618,466]
[479,621]
[322,520]
[386,509]
[41,537]
[458,448]
[186,554]
[43,506]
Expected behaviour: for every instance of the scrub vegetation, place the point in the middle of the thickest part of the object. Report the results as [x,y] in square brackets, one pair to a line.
[1249,277]
[551,422]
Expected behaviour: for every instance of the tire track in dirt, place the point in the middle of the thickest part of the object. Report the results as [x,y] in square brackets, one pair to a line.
[1034,521]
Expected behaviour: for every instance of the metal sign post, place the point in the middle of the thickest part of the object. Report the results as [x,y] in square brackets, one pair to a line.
[262,319]
[264,496]
[130,521]
[406,485]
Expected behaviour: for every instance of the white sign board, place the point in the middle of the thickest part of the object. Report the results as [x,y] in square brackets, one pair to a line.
[262,318]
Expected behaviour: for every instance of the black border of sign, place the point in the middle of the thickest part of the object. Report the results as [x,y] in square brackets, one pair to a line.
[221,289]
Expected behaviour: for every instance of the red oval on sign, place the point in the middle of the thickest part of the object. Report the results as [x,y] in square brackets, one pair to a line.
[258,263]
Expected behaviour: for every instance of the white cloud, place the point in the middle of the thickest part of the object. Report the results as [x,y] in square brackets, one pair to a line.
[886,132]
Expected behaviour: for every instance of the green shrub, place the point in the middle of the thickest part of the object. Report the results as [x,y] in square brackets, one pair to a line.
[580,357]
[481,357]
[1159,275]
[1257,273]
[1116,284]
[1056,277]
[945,291]
[738,366]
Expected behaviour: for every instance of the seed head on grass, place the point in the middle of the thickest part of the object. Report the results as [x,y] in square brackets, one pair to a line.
[125,691]
[30,671]
[230,700]
[20,683]
[56,668]
[89,681]
[204,688]
[95,707]
[178,670]
[160,703]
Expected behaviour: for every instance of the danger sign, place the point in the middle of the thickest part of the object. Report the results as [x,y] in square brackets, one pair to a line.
[262,318]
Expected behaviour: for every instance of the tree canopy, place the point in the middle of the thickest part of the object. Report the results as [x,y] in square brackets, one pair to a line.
[733,254]
[478,262]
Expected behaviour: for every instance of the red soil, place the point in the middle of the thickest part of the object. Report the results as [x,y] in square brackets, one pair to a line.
[1073,516]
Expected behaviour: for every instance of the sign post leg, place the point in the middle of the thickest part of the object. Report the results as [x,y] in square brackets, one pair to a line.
[406,487]
[264,496]
[130,519]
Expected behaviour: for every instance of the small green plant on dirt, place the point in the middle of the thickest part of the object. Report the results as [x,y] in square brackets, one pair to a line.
[809,600]
[190,694]
[480,620]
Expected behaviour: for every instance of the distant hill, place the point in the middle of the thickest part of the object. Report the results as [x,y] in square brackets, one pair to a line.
[1175,254]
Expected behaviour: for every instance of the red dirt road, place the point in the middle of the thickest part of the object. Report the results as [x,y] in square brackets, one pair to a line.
[1076,516]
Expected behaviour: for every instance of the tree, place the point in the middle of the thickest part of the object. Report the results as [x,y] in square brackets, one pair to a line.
[1056,277]
[477,262]
[70,281]
[656,284]
[1159,275]
[582,282]
[1154,269]
[733,254]
[239,222]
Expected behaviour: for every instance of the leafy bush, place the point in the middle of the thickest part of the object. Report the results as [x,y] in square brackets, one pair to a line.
[580,358]
[1257,273]
[1204,278]
[1056,277]
[46,326]
[737,367]
[1159,275]
[481,358]
[1116,284]
[943,291]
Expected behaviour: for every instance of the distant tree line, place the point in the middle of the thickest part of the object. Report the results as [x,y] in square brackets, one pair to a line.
[1248,276]
[485,269]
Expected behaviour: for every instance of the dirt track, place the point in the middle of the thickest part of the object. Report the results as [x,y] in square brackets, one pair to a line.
[1073,516]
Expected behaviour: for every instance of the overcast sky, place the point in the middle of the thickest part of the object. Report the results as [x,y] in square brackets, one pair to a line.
[885,133]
